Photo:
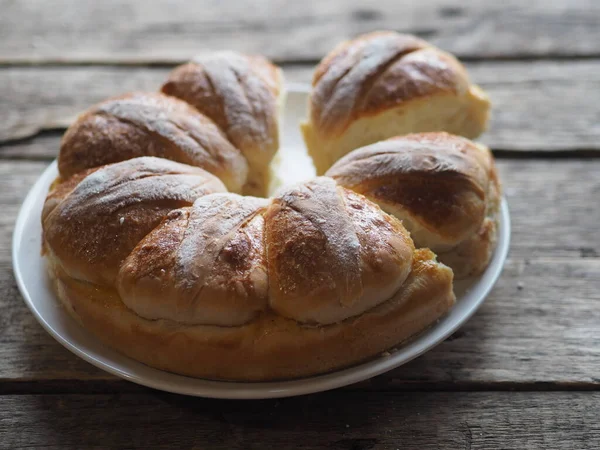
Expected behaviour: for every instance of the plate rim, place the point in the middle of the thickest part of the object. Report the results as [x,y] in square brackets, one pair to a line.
[198,387]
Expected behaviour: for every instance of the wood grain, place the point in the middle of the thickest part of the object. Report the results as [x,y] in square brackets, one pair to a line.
[336,420]
[539,327]
[136,31]
[541,106]
[521,363]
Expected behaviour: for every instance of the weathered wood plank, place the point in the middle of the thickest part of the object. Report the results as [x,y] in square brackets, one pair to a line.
[541,106]
[136,31]
[539,325]
[43,147]
[337,420]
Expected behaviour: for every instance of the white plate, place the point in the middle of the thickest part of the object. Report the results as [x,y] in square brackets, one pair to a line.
[294,166]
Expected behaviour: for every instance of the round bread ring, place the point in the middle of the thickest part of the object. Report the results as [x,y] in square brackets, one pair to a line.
[284,338]
[269,348]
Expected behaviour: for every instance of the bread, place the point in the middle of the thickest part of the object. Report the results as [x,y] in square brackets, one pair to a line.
[232,287]
[243,95]
[150,124]
[226,121]
[204,265]
[150,247]
[94,219]
[444,188]
[386,84]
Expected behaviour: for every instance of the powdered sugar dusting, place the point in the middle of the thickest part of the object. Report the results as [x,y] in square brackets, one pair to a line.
[320,202]
[185,134]
[98,223]
[425,153]
[348,78]
[248,103]
[213,221]
[131,182]
[240,93]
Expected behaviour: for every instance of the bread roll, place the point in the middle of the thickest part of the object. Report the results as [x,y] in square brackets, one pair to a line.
[92,221]
[205,264]
[444,188]
[243,95]
[386,84]
[332,255]
[149,124]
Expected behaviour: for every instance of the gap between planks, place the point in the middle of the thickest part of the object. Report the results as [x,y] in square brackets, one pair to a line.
[116,386]
[334,420]
[169,64]
[537,107]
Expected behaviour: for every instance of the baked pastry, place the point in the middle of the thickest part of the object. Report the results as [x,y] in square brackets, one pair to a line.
[151,248]
[150,124]
[93,220]
[243,95]
[386,84]
[233,287]
[444,188]
[227,123]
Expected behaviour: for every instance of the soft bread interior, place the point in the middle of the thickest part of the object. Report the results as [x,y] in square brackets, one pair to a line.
[465,115]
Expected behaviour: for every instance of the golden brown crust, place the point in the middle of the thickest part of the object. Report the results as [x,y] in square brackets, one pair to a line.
[61,188]
[150,124]
[155,259]
[241,94]
[418,86]
[347,81]
[377,71]
[91,226]
[332,255]
[269,348]
[204,264]
[445,188]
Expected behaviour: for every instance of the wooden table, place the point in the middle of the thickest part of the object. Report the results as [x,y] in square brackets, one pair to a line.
[523,373]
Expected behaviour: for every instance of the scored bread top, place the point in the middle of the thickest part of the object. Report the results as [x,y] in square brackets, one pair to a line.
[377,71]
[440,180]
[150,124]
[205,264]
[93,221]
[317,254]
[238,92]
[332,254]
[242,94]
[444,188]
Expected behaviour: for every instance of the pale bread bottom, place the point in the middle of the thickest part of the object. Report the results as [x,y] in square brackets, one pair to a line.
[269,348]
